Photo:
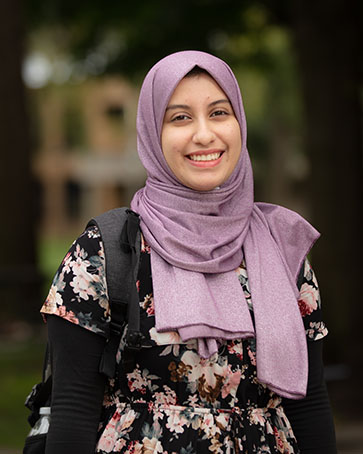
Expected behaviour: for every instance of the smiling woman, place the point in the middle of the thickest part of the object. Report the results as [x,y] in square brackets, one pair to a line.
[201,137]
[230,360]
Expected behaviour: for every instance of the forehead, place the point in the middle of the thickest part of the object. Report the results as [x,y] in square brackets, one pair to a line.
[197,88]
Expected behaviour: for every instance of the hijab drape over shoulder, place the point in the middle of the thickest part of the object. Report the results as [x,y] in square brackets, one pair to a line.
[198,239]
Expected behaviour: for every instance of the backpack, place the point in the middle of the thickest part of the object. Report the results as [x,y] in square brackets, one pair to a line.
[121,237]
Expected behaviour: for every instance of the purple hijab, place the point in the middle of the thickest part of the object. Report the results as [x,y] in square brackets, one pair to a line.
[198,239]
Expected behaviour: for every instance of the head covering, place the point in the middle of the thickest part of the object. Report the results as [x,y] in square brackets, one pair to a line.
[198,239]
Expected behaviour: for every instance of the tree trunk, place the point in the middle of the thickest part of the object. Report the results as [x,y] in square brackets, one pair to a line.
[19,278]
[327,42]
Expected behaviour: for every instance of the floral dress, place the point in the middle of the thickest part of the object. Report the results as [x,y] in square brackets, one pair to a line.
[173,401]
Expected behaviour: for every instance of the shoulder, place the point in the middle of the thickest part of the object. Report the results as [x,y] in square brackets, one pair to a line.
[79,289]
[86,255]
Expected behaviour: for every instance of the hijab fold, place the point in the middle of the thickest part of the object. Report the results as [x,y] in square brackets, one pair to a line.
[199,239]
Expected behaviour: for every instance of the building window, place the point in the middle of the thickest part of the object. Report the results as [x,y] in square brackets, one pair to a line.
[73,199]
[115,113]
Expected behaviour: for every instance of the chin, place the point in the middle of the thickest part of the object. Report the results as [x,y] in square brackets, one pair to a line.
[204,184]
[204,187]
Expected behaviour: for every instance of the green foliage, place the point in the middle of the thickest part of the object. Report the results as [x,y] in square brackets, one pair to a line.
[143,32]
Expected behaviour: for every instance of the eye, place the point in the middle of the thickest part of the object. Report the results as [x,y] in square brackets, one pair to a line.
[180,117]
[218,113]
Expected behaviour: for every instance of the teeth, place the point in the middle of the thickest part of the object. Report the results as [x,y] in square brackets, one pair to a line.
[204,157]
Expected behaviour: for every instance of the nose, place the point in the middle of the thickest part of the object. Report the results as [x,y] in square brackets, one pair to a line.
[203,133]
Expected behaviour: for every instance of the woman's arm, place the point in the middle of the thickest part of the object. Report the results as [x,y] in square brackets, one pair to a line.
[78,387]
[311,418]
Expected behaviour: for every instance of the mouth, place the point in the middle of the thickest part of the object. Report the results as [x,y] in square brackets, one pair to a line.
[205,156]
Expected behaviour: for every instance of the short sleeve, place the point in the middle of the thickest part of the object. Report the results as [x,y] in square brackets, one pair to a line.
[79,289]
[310,303]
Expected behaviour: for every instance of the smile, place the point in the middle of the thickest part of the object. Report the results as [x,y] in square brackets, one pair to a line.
[205,157]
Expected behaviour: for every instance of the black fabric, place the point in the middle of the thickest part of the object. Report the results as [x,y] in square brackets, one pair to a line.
[311,418]
[121,237]
[78,387]
[111,226]
[35,444]
[78,392]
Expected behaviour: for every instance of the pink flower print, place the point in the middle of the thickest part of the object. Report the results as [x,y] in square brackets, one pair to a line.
[317,330]
[148,304]
[258,416]
[167,338]
[175,421]
[67,263]
[222,420]
[67,315]
[110,434]
[192,400]
[138,381]
[150,310]
[232,382]
[208,425]
[252,356]
[80,264]
[144,246]
[126,420]
[134,447]
[151,446]
[81,285]
[308,300]
[54,299]
[120,443]
[235,348]
[280,440]
[165,398]
[106,442]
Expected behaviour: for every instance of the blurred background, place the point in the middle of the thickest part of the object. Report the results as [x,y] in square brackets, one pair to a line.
[69,81]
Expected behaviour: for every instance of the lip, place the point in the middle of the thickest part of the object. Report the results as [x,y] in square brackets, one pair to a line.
[205,164]
[205,152]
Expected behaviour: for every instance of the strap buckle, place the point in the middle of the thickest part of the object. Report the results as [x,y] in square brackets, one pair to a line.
[134,340]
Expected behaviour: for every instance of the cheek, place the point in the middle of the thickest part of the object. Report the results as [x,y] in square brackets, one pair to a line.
[171,149]
[234,139]
[172,143]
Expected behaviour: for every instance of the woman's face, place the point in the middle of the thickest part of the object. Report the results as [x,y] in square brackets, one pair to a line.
[200,137]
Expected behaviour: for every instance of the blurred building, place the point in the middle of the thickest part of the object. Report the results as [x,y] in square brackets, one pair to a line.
[86,161]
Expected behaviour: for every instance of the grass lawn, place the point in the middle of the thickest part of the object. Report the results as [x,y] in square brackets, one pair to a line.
[21,362]
[21,367]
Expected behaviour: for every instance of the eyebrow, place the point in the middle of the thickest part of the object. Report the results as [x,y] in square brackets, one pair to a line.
[185,106]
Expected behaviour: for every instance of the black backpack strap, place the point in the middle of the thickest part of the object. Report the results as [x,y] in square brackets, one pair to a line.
[121,238]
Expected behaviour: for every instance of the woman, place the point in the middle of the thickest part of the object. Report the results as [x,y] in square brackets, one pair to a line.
[227,365]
